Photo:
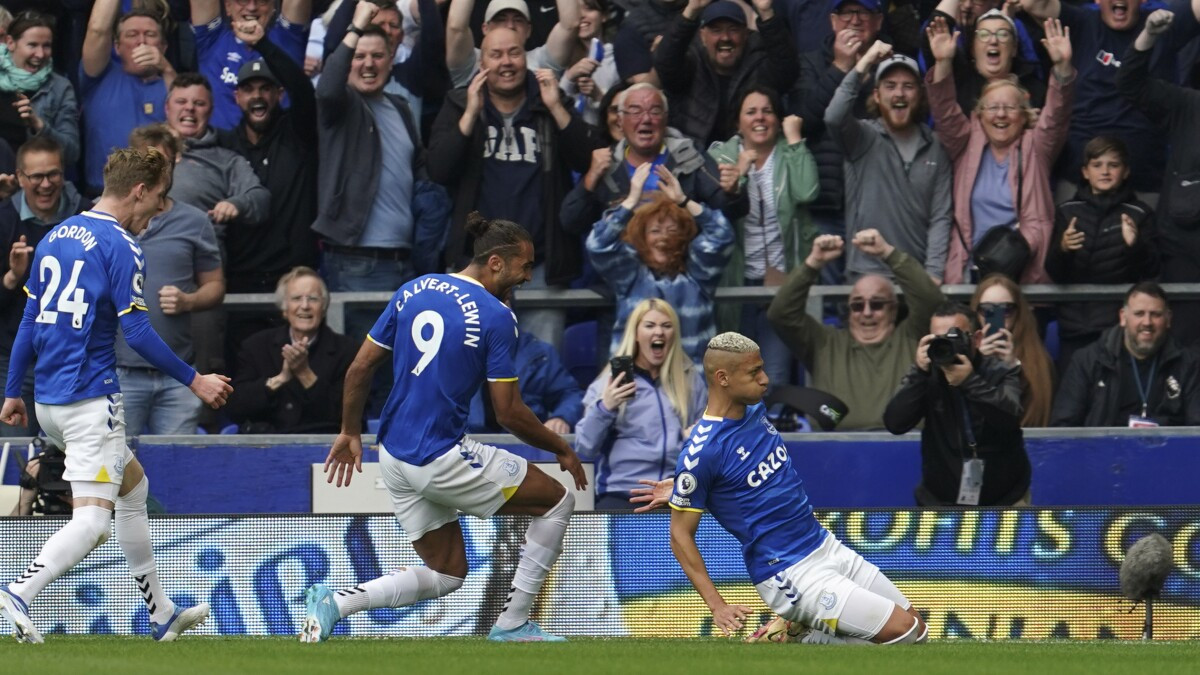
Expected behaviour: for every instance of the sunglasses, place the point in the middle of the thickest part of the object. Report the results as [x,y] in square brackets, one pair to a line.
[990,307]
[857,306]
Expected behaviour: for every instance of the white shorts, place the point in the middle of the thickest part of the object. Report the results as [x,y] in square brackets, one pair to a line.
[92,434]
[817,590]
[471,477]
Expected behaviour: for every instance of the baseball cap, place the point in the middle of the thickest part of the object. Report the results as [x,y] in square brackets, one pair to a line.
[723,9]
[894,61]
[256,69]
[825,408]
[870,5]
[496,6]
[997,14]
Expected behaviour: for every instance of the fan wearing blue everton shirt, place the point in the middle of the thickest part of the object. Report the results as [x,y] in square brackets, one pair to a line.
[737,467]
[86,276]
[446,334]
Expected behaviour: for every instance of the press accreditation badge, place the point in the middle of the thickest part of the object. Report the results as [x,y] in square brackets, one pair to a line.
[972,482]
[1137,421]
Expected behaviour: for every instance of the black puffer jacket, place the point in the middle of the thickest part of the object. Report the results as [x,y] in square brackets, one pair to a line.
[1104,258]
[1176,109]
[650,18]
[809,98]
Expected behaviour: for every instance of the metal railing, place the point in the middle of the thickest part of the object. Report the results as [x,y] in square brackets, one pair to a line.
[578,298]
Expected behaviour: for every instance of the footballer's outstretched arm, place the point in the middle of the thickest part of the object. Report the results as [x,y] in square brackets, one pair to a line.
[357,384]
[345,457]
[514,415]
[729,618]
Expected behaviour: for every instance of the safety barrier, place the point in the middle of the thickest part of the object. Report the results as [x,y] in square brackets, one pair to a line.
[576,298]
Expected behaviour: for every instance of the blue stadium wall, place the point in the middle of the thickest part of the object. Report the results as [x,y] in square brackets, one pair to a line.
[995,574]
[1071,467]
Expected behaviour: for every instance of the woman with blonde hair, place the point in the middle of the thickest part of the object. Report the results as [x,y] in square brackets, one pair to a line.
[634,429]
[1017,342]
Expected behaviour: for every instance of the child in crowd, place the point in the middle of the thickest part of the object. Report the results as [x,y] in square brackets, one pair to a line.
[1105,235]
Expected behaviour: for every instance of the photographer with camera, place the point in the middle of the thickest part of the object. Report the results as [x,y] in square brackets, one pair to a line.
[43,490]
[972,447]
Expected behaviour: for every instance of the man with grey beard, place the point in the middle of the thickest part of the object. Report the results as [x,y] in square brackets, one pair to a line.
[1135,375]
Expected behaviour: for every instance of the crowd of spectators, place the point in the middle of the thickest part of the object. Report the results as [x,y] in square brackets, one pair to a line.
[654,149]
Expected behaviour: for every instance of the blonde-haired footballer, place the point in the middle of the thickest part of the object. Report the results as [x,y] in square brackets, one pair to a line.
[736,466]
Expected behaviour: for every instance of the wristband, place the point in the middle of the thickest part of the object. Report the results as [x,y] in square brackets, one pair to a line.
[355,29]
[683,203]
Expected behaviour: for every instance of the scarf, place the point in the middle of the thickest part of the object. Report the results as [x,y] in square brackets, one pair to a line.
[13,78]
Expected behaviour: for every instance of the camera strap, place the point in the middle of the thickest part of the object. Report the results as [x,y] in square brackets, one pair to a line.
[967,430]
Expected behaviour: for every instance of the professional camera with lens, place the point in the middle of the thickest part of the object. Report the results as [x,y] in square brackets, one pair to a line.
[944,349]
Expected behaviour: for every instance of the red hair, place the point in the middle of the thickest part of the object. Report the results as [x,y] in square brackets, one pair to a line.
[661,209]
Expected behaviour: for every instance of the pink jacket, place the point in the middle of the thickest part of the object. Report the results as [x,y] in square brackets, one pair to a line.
[965,142]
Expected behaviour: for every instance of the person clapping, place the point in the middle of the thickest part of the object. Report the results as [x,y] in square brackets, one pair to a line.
[290,377]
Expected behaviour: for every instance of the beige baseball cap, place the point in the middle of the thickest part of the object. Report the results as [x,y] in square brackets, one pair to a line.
[496,6]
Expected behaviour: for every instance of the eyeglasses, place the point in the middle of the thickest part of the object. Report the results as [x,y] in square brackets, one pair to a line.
[243,3]
[852,14]
[1001,35]
[312,299]
[52,177]
[1008,308]
[637,112]
[995,108]
[857,306]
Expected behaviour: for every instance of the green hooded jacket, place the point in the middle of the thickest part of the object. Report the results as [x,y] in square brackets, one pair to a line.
[796,184]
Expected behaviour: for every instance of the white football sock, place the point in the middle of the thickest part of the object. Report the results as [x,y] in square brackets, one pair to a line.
[543,544]
[816,637]
[133,533]
[398,589]
[87,529]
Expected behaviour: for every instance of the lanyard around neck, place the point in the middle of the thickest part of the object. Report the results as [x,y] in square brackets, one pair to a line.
[1144,392]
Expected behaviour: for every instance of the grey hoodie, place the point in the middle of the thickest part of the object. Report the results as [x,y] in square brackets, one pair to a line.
[912,208]
[208,173]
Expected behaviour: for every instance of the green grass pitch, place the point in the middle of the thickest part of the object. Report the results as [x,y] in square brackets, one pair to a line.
[449,656]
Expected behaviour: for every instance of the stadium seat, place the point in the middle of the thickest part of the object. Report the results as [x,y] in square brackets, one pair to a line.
[579,352]
[229,429]
[1052,340]
[373,426]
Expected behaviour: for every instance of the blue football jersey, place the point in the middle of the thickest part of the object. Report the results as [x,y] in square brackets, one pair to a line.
[447,333]
[85,273]
[740,471]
